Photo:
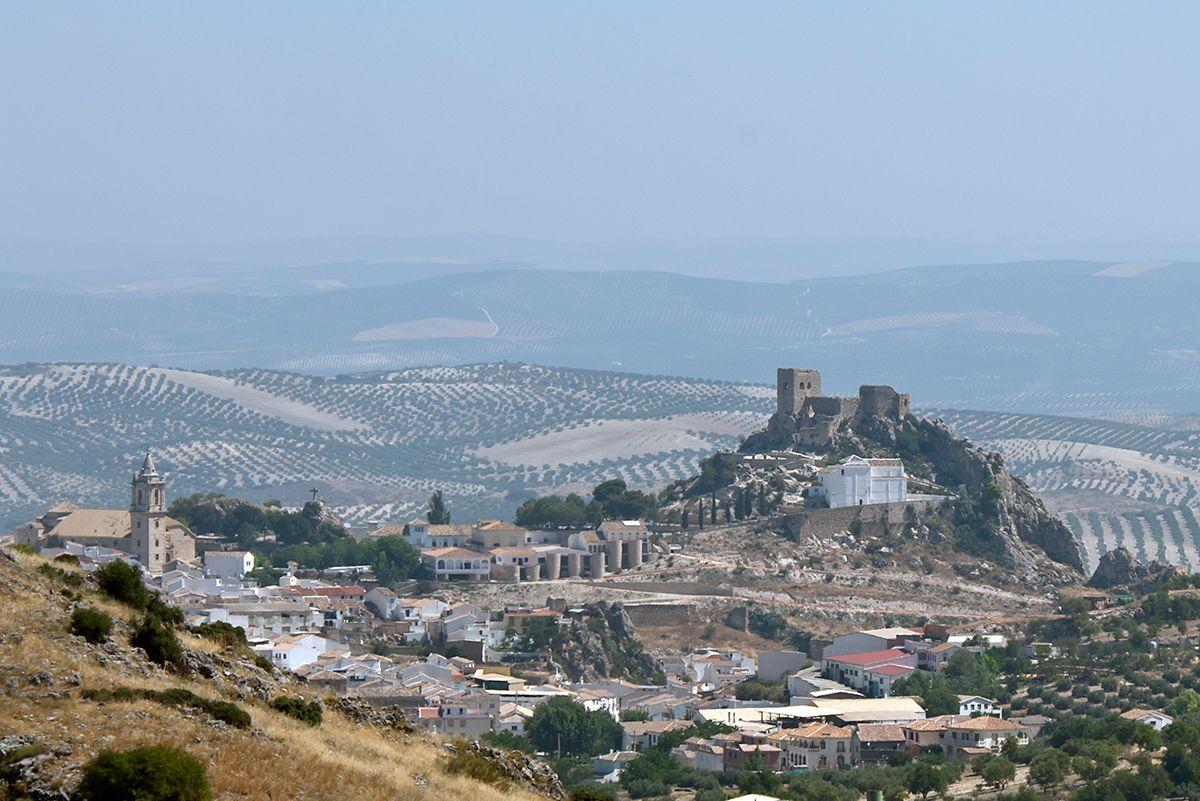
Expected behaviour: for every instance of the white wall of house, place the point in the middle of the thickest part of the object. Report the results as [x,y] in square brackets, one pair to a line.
[858,482]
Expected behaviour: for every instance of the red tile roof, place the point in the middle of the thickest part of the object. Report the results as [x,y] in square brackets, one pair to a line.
[870,657]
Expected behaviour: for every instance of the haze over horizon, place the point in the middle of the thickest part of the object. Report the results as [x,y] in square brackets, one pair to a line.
[846,139]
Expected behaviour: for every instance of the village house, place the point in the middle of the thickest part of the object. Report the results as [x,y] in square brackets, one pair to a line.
[874,743]
[861,642]
[488,534]
[978,705]
[292,651]
[228,564]
[1150,717]
[977,735]
[262,618]
[607,767]
[456,564]
[738,756]
[963,735]
[814,746]
[701,754]
[871,673]
[639,735]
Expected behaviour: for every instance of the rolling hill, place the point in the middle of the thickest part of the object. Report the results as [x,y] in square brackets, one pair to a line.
[1039,337]
[375,445]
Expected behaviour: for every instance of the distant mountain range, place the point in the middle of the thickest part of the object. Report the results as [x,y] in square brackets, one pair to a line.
[1082,338]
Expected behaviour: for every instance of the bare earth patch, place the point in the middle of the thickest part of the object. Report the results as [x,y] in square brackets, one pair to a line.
[430,328]
[621,439]
[257,400]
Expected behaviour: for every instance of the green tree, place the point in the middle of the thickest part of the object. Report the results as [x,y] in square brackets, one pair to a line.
[998,772]
[438,514]
[1049,768]
[122,582]
[563,726]
[922,779]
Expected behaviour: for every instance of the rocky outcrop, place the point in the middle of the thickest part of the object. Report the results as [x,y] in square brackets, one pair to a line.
[1119,568]
[603,646]
[381,717]
[1021,516]
[25,764]
[513,767]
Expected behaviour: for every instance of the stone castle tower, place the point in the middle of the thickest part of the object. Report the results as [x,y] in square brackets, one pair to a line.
[793,386]
[148,516]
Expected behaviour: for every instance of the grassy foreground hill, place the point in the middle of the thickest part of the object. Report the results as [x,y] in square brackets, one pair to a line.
[48,674]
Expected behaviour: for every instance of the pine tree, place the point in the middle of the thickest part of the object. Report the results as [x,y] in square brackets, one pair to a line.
[439,515]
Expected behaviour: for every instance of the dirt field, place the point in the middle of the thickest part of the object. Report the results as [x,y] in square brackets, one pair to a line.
[257,400]
[622,439]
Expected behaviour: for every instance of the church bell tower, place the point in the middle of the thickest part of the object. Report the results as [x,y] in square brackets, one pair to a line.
[148,516]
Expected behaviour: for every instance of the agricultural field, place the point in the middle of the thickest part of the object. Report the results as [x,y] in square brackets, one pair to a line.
[374,445]
[1131,481]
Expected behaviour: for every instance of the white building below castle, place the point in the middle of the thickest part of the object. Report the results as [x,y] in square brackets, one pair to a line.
[859,482]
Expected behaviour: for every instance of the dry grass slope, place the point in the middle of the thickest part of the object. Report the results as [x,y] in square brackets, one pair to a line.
[43,668]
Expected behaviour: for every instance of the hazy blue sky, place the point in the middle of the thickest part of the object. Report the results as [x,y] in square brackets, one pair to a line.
[1013,122]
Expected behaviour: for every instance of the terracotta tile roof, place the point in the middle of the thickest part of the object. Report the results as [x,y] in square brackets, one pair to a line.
[891,670]
[870,657]
[929,724]
[984,723]
[880,732]
[454,553]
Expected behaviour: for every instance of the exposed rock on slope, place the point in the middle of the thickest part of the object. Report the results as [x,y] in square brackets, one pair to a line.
[1022,517]
[603,646]
[1118,568]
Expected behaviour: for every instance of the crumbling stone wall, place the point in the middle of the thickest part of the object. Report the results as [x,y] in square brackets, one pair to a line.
[874,520]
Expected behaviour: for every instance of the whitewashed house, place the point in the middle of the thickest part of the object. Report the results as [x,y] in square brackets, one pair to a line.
[860,482]
[228,564]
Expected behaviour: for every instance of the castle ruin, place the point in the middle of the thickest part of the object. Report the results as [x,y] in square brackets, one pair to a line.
[810,419]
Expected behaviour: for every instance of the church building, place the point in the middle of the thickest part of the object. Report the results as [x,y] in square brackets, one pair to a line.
[144,530]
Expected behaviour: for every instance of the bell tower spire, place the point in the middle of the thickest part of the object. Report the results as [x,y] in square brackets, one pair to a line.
[147,515]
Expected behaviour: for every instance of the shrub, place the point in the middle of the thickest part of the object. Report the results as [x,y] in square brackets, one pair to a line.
[226,711]
[158,641]
[91,624]
[221,633]
[305,711]
[68,577]
[646,788]
[595,794]
[144,774]
[67,559]
[263,663]
[171,615]
[123,582]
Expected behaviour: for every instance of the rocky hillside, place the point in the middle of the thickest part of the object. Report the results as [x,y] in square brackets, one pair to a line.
[990,504]
[65,700]
[603,646]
